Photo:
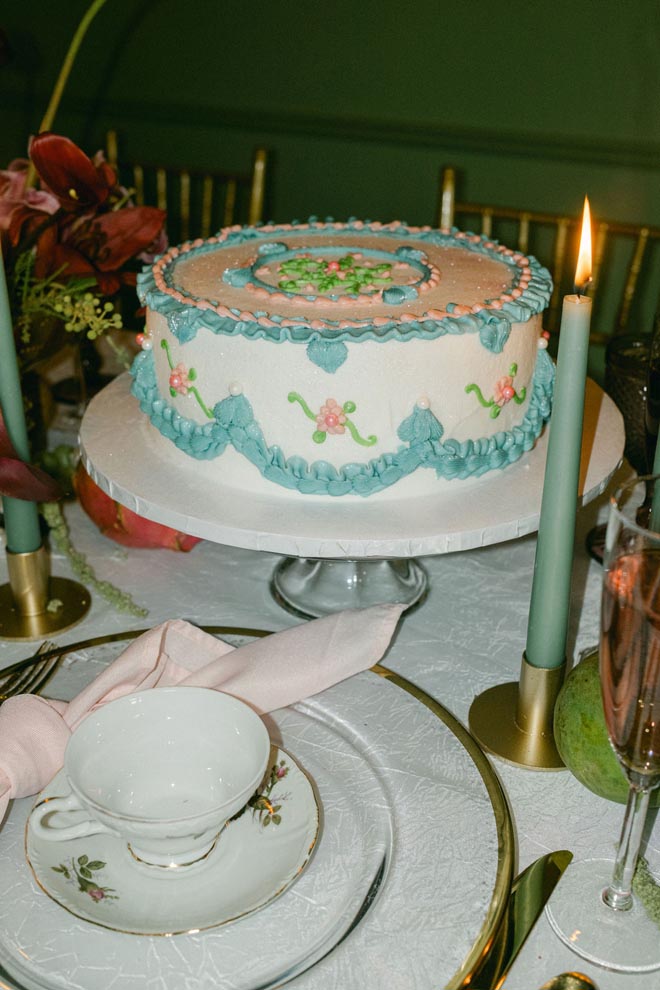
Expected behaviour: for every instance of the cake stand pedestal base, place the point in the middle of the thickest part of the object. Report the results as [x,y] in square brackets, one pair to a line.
[312,588]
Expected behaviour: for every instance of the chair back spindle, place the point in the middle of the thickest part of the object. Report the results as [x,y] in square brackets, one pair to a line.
[138,184]
[633,275]
[523,233]
[230,202]
[207,205]
[447,199]
[258,187]
[198,202]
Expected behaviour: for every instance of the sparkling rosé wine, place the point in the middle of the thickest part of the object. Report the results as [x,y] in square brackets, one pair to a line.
[630,663]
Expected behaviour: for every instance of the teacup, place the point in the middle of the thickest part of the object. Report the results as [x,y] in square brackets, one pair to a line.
[163,769]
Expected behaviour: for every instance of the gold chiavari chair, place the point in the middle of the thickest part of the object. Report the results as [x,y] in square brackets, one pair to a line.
[198,202]
[626,257]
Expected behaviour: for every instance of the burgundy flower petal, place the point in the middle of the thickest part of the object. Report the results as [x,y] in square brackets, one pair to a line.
[126,233]
[60,256]
[6,446]
[22,222]
[110,283]
[69,173]
[70,263]
[27,482]
[21,480]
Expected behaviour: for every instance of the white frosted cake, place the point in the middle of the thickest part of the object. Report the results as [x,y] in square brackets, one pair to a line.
[343,359]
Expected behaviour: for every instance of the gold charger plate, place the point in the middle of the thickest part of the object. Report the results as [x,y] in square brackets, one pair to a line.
[411,874]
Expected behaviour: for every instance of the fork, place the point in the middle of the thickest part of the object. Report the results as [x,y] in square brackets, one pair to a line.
[29,676]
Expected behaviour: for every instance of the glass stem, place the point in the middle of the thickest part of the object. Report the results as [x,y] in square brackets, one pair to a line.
[619,893]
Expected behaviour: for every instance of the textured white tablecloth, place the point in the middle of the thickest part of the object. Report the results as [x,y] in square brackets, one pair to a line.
[467,636]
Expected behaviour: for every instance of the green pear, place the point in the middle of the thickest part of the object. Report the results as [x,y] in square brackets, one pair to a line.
[581,736]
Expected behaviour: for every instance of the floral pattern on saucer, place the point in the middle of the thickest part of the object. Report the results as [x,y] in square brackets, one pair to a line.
[266,804]
[81,871]
[249,867]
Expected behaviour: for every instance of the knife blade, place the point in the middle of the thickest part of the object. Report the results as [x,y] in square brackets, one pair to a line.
[530,891]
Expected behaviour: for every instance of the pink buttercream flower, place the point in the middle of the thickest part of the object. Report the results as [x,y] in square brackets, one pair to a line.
[503,391]
[180,380]
[331,418]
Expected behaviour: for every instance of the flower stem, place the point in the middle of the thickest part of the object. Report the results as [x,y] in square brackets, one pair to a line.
[67,65]
[61,538]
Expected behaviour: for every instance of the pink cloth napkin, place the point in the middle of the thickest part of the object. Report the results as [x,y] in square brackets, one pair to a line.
[268,673]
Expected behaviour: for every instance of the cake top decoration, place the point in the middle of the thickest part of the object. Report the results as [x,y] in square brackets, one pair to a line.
[359,280]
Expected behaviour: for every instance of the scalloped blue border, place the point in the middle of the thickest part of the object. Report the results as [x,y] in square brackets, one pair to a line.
[234,424]
[492,325]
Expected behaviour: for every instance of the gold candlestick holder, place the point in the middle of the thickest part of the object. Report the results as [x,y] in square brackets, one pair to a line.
[34,605]
[515,720]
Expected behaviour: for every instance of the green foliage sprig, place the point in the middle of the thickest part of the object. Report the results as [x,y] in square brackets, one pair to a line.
[59,533]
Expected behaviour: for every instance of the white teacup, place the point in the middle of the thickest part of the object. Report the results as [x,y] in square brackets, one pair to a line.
[162,769]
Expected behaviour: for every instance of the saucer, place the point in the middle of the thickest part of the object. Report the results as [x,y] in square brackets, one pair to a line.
[256,858]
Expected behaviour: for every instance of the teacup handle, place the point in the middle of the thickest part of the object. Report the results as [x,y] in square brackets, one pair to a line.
[54,834]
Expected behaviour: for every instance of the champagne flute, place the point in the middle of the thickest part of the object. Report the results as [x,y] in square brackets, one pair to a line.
[594,911]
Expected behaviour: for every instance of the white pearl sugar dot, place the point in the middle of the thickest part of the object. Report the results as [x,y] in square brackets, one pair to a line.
[423,402]
[235,388]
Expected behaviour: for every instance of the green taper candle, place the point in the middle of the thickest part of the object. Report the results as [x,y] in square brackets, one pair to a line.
[551,587]
[21,517]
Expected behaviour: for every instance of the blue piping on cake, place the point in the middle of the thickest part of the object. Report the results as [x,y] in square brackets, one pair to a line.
[234,424]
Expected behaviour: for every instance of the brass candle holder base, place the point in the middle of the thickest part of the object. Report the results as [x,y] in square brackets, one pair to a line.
[35,605]
[515,721]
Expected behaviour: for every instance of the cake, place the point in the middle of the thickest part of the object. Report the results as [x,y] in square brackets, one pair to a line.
[355,359]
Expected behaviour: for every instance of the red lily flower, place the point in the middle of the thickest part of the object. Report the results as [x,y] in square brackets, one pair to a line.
[127,233]
[99,246]
[21,480]
[77,182]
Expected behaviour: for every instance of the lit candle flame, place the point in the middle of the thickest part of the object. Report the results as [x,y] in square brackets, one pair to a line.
[583,269]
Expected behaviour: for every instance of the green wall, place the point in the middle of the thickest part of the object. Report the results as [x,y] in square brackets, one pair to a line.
[361,103]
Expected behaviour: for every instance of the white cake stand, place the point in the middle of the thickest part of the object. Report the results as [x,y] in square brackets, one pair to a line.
[340,554]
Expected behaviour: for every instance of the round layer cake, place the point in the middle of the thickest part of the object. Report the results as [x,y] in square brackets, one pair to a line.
[344,359]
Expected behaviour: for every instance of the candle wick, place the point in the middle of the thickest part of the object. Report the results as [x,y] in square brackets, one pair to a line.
[581,290]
